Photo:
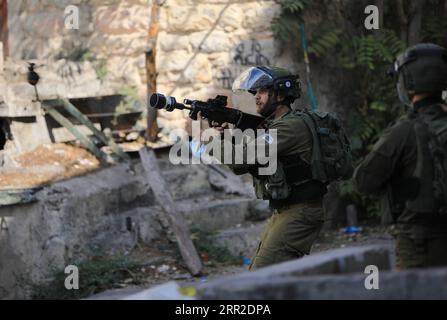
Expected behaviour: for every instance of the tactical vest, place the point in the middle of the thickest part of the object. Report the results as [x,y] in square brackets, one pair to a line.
[431,167]
[331,160]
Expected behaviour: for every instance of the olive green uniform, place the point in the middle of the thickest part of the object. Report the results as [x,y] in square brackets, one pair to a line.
[421,237]
[296,220]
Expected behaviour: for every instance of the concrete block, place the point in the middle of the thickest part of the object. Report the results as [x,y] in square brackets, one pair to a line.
[408,285]
[29,134]
[341,261]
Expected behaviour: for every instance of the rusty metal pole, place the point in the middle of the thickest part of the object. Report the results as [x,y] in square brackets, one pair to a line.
[151,74]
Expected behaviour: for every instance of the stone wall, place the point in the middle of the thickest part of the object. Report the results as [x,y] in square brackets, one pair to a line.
[203,45]
[112,31]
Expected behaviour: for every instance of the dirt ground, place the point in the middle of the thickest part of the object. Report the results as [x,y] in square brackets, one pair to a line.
[161,262]
[46,163]
[370,235]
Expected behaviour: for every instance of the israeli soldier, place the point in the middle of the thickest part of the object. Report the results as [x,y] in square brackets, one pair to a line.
[293,194]
[408,165]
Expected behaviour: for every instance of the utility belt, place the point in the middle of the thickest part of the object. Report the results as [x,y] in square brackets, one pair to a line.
[310,192]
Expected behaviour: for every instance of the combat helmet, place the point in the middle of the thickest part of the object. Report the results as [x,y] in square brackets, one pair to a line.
[278,79]
[420,69]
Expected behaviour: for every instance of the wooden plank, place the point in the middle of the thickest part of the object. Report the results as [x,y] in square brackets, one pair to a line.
[86,142]
[44,133]
[86,121]
[62,134]
[176,220]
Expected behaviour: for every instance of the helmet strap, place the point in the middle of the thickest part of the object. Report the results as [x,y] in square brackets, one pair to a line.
[271,105]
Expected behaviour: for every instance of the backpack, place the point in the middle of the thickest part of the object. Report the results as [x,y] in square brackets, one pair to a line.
[331,150]
[431,166]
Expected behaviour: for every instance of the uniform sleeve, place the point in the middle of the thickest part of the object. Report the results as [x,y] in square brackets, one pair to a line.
[293,137]
[285,137]
[375,171]
[243,155]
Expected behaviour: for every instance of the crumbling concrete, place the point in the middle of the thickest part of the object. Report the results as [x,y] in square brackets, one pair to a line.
[302,280]
[63,225]
[414,284]
[341,261]
[109,209]
[216,215]
[241,240]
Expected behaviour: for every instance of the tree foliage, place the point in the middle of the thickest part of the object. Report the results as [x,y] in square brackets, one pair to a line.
[365,55]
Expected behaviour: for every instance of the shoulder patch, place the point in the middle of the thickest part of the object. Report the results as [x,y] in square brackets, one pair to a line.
[268,138]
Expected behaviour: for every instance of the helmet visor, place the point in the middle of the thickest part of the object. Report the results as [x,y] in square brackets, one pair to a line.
[251,80]
[404,97]
[398,63]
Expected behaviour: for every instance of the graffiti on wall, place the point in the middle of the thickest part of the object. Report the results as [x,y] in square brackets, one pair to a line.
[225,77]
[246,54]
[250,54]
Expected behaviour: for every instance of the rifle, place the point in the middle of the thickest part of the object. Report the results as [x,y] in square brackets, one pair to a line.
[214,110]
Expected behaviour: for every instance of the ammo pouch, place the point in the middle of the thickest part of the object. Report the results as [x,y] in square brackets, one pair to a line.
[272,187]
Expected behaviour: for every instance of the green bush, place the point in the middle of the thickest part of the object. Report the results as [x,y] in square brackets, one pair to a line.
[96,274]
[207,247]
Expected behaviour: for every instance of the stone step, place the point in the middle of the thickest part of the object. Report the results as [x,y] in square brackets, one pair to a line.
[213,215]
[186,183]
[241,240]
[110,208]
[210,215]
[189,181]
[226,219]
[124,231]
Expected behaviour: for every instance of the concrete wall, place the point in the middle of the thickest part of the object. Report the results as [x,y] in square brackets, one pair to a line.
[69,219]
[73,219]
